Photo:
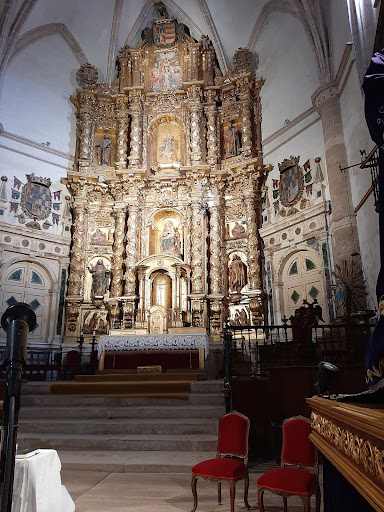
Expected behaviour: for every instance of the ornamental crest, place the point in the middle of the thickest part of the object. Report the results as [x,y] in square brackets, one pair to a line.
[36,199]
[291,181]
[164,32]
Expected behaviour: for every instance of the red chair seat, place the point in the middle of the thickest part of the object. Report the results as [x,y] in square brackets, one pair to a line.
[289,481]
[221,468]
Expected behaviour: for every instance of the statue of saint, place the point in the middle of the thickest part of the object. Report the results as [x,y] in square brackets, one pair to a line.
[170,238]
[104,151]
[243,317]
[99,279]
[232,142]
[237,274]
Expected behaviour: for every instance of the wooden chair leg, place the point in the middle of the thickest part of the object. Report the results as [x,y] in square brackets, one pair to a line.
[260,496]
[318,498]
[219,492]
[306,503]
[194,492]
[246,486]
[285,501]
[232,494]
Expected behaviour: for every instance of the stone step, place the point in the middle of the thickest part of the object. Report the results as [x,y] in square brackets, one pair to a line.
[119,426]
[133,461]
[182,411]
[108,401]
[118,442]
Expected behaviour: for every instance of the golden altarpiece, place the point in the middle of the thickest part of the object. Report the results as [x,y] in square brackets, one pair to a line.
[166,191]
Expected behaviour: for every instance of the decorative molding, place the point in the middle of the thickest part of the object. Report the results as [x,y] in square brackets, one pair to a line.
[324,94]
[113,41]
[363,452]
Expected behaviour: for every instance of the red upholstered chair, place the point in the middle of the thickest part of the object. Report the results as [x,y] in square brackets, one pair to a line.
[298,474]
[231,460]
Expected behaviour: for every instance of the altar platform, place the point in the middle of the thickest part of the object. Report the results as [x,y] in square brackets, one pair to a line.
[153,349]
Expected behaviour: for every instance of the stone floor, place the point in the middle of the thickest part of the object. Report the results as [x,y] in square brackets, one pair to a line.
[94,491]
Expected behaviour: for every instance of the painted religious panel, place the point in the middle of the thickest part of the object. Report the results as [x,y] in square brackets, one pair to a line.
[231,139]
[167,73]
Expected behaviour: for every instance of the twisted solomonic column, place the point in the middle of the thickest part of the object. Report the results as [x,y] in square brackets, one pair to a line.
[76,268]
[211,115]
[136,131]
[122,132]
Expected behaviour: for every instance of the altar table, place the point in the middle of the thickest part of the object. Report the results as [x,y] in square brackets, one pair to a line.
[121,343]
[37,484]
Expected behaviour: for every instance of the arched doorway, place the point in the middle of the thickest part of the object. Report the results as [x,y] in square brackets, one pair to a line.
[303,278]
[29,283]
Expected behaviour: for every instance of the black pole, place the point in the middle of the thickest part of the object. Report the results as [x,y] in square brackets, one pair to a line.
[17,321]
[227,360]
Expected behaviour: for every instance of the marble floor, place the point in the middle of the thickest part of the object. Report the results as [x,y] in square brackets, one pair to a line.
[94,491]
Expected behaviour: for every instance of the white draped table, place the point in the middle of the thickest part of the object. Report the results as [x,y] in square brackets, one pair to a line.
[122,343]
[37,484]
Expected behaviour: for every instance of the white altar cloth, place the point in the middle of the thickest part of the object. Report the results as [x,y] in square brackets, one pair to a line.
[153,342]
[37,484]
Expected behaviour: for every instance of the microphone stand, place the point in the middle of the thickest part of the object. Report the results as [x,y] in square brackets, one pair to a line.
[17,321]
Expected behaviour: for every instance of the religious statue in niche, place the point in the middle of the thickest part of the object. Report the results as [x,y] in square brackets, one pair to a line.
[103,149]
[166,73]
[237,274]
[99,279]
[170,239]
[232,141]
[168,147]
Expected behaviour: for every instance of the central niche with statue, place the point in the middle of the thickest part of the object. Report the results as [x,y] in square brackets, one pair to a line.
[166,191]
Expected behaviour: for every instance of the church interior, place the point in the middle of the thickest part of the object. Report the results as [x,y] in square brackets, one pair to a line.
[189,203]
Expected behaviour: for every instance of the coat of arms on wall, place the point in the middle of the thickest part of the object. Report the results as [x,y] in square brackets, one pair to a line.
[36,199]
[291,181]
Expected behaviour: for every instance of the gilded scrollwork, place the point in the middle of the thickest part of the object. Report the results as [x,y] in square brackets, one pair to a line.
[362,452]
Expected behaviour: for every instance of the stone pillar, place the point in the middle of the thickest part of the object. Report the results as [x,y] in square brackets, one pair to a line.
[216,267]
[118,252]
[211,115]
[343,228]
[122,132]
[197,263]
[195,108]
[136,124]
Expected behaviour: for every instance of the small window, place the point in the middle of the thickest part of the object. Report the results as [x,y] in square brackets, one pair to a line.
[36,279]
[295,296]
[16,275]
[309,264]
[293,269]
[34,304]
[314,292]
[11,301]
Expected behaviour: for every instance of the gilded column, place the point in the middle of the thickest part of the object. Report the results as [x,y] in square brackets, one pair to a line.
[131,250]
[211,115]
[141,272]
[136,124]
[253,258]
[85,123]
[245,112]
[76,268]
[118,252]
[129,301]
[216,268]
[122,131]
[197,263]
[195,107]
